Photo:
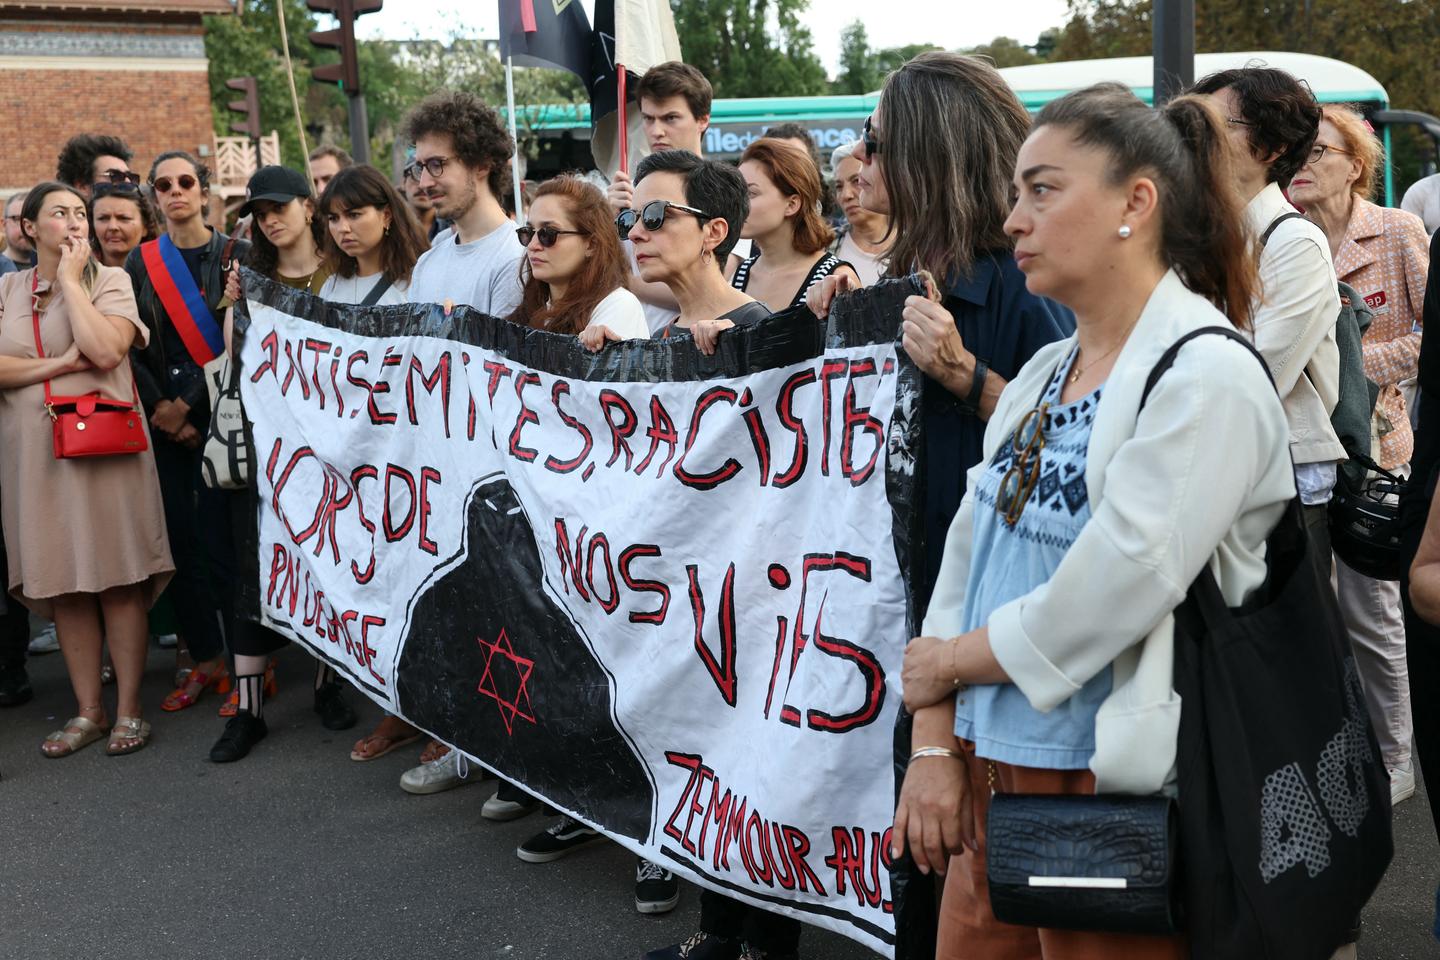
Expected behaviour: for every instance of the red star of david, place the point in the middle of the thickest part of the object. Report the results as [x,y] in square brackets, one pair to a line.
[519,706]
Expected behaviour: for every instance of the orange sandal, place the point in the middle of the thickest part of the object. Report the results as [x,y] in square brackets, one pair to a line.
[182,697]
[232,705]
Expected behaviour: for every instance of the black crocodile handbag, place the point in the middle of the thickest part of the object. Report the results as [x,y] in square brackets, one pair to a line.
[1089,862]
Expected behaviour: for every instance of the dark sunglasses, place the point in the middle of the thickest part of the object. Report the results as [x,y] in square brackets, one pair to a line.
[652,216]
[1019,480]
[121,176]
[163,184]
[548,235]
[872,145]
[114,188]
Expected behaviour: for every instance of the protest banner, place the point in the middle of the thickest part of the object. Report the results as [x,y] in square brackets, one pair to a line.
[666,593]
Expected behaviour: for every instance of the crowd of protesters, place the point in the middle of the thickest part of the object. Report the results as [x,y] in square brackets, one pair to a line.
[1068,251]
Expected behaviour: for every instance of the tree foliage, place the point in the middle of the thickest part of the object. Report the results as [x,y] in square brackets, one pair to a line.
[750,48]
[859,72]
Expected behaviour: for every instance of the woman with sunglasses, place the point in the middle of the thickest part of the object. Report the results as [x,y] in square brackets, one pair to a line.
[1035,675]
[85,537]
[574,270]
[785,222]
[120,220]
[685,222]
[285,249]
[179,281]
[371,239]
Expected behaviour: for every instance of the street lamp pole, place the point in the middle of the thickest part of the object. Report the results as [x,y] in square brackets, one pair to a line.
[1174,24]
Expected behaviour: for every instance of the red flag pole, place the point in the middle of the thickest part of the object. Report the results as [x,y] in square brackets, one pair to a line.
[624,125]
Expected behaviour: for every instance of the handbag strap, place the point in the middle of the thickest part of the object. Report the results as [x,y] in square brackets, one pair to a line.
[35,320]
[376,292]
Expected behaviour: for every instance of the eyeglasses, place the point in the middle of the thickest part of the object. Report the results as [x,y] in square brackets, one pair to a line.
[111,188]
[119,176]
[435,166]
[548,235]
[163,184]
[1317,152]
[1019,480]
[652,216]
[869,140]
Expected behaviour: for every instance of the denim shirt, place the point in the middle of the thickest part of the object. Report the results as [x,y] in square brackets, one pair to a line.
[1008,562]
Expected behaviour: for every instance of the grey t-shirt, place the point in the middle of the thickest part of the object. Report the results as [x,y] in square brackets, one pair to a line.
[484,273]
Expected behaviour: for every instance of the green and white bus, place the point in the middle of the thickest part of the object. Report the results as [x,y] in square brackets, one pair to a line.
[564,131]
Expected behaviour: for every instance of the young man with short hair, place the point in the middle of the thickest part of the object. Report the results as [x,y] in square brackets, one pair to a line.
[326,161]
[91,158]
[461,154]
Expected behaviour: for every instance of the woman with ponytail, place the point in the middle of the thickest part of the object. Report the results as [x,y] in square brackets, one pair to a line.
[1035,674]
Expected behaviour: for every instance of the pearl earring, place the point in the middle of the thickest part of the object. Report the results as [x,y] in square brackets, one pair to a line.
[1124,231]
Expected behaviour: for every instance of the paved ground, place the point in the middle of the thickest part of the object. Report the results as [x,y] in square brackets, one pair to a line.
[300,854]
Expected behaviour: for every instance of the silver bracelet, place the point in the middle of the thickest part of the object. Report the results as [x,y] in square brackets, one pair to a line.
[935,752]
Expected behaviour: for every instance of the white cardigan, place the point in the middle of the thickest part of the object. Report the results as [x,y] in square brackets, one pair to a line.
[1203,476]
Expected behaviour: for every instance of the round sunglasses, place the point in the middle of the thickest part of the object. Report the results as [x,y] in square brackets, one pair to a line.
[652,216]
[163,184]
[548,235]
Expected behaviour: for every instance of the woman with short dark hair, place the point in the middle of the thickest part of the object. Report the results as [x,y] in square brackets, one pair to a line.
[120,220]
[371,239]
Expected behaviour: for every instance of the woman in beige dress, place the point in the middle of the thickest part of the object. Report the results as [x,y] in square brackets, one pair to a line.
[86,537]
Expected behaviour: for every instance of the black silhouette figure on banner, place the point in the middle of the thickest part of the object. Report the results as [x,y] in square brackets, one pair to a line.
[490,657]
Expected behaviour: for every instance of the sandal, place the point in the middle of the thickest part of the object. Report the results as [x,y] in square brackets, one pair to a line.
[232,706]
[85,732]
[199,682]
[128,735]
[377,743]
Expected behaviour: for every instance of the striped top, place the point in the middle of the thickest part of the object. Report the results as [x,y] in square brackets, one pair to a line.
[821,269]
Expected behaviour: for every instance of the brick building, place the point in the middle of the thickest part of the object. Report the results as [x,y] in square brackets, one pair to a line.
[132,68]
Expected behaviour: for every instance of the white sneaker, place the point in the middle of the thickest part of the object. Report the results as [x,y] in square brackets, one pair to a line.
[1402,783]
[45,641]
[436,776]
[167,641]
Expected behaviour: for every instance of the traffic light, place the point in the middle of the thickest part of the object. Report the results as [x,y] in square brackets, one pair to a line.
[249,106]
[346,73]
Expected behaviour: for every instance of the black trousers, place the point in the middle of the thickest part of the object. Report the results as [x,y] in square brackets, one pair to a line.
[14,624]
[765,931]
[247,638]
[1422,654]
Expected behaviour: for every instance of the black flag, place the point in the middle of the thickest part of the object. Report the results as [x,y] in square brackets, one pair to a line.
[547,33]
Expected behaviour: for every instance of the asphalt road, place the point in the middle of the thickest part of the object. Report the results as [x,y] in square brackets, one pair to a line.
[298,853]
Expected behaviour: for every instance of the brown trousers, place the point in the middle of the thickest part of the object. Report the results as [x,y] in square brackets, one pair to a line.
[968,928]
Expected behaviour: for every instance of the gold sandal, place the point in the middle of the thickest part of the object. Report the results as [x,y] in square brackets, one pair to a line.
[86,732]
[128,735]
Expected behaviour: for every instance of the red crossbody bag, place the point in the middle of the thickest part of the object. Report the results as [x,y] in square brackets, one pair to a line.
[89,425]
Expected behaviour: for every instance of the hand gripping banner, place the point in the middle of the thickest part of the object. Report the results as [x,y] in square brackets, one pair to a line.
[666,593]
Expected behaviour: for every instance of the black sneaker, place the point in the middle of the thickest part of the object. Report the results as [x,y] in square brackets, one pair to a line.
[657,890]
[242,732]
[552,844]
[702,946]
[335,713]
[15,690]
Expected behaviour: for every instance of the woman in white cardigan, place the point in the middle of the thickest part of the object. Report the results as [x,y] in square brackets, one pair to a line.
[1046,663]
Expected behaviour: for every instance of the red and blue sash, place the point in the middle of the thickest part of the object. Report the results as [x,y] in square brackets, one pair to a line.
[183,301]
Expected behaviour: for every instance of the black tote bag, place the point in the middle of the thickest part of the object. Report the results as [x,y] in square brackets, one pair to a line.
[1284,800]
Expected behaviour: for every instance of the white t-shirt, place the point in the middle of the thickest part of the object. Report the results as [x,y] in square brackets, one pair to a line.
[869,267]
[484,273]
[1423,200]
[355,289]
[622,312]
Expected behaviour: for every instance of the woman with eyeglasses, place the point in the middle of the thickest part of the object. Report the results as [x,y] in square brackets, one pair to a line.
[1385,255]
[683,225]
[1035,674]
[85,537]
[285,249]
[179,282]
[785,193]
[120,220]
[371,239]
[574,270]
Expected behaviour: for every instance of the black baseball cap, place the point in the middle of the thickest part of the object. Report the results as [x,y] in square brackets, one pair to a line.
[277,184]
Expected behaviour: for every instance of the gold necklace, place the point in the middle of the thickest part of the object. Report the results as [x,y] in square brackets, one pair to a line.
[1075,375]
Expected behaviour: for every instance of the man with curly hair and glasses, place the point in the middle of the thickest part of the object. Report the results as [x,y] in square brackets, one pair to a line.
[91,158]
[461,157]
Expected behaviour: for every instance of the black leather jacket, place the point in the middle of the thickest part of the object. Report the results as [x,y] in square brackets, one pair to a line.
[162,374]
